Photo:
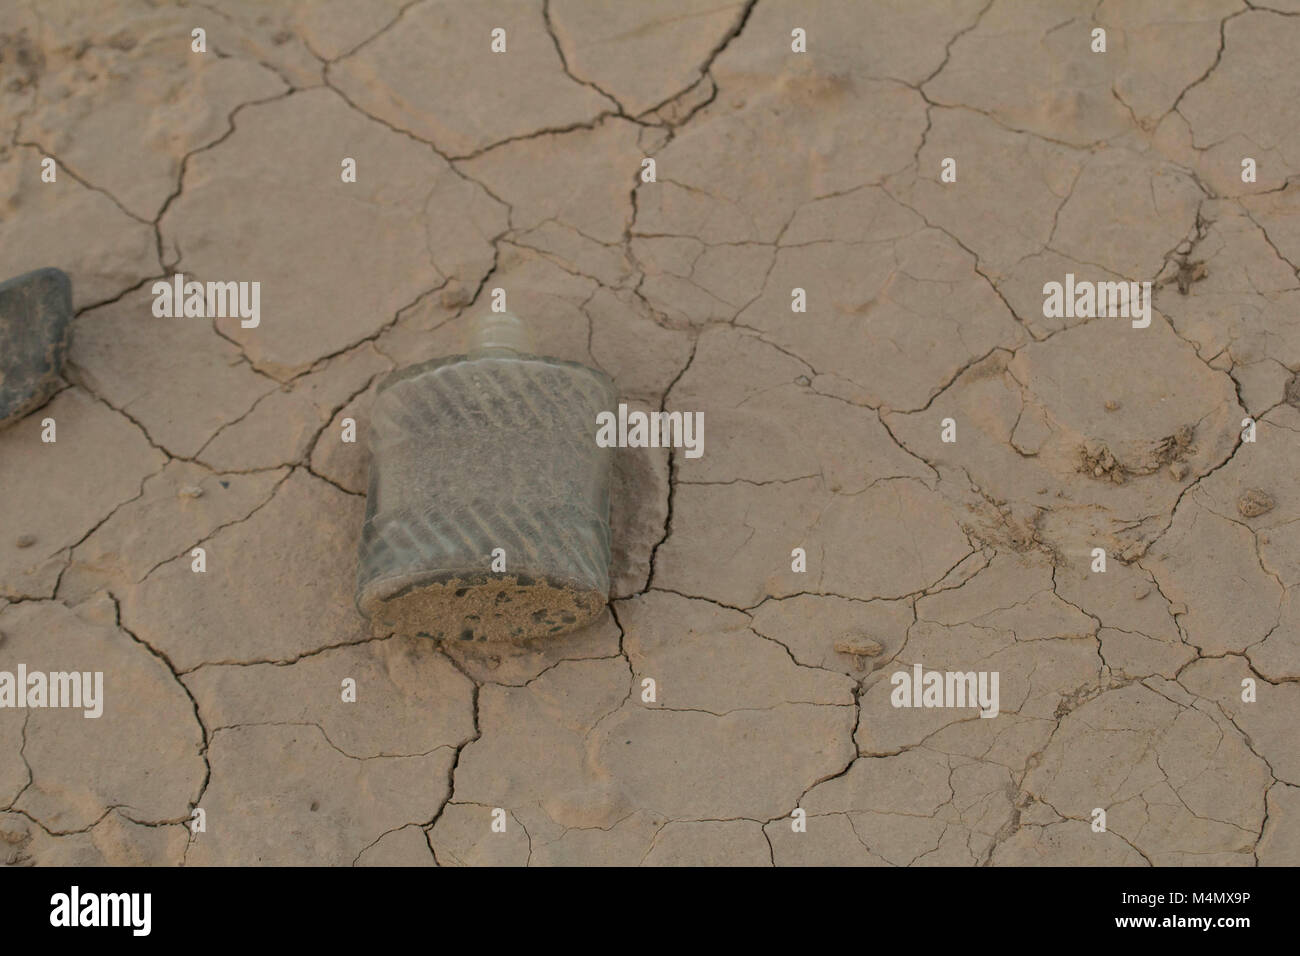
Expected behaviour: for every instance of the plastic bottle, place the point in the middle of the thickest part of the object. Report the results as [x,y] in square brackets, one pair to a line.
[487,516]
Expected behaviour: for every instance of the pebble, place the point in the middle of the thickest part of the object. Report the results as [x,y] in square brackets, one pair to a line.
[1291,394]
[455,295]
[14,831]
[25,540]
[1255,502]
[190,491]
[858,647]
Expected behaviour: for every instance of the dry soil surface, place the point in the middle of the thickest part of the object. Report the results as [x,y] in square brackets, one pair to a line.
[1120,690]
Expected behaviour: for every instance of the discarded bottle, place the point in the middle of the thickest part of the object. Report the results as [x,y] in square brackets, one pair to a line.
[487,516]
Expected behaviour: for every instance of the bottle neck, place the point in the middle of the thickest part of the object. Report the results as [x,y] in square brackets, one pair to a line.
[499,334]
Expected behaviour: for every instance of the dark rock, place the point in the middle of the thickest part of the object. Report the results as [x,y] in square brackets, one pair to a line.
[35,326]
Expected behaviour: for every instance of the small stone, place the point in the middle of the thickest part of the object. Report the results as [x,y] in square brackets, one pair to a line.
[864,647]
[1291,394]
[25,540]
[35,327]
[455,295]
[190,491]
[13,831]
[1111,405]
[1178,469]
[1255,502]
[858,648]
[803,380]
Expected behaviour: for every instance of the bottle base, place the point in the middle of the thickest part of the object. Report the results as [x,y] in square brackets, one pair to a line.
[479,607]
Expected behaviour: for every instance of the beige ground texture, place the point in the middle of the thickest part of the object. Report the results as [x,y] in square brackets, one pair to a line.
[1119,690]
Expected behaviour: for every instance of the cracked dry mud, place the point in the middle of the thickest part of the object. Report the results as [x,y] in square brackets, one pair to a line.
[776,170]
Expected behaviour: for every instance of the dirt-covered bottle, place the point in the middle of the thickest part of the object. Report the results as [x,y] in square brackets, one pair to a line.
[487,516]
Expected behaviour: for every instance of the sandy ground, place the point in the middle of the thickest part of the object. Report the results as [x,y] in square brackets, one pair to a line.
[775,170]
